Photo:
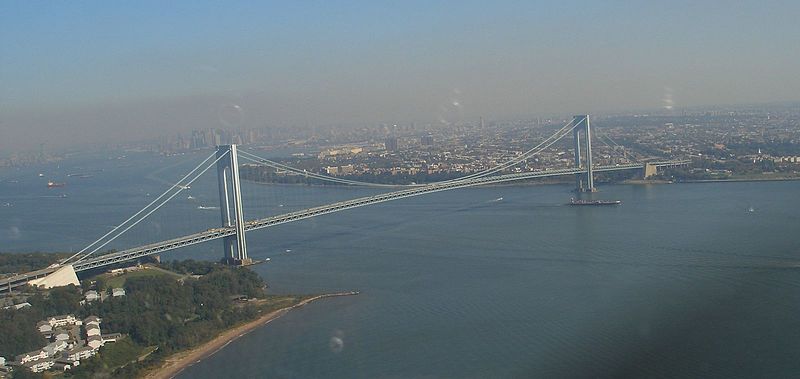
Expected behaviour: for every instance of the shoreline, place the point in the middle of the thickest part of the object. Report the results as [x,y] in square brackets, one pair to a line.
[739,180]
[176,363]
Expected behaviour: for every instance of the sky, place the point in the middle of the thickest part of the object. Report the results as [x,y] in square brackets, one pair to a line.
[100,71]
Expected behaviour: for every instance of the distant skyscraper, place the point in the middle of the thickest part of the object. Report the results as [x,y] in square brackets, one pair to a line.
[482,125]
[391,143]
[426,140]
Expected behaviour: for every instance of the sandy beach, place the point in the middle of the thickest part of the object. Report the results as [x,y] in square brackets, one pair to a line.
[176,363]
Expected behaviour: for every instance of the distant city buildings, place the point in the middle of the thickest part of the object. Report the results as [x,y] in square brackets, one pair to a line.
[391,143]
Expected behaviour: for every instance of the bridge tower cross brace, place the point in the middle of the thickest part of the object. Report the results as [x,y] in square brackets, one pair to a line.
[230,205]
[581,123]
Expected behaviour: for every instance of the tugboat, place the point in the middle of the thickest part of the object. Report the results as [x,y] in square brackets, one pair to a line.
[573,201]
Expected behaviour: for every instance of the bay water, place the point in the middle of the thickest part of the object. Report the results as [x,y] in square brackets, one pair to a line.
[697,280]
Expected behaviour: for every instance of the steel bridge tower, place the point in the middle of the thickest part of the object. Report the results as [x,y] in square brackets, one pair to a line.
[581,123]
[230,196]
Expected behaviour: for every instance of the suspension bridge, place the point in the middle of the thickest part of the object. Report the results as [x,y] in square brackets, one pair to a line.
[234,227]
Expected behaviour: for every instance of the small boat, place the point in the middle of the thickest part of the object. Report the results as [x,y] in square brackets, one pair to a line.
[41,175]
[573,201]
[52,184]
[190,197]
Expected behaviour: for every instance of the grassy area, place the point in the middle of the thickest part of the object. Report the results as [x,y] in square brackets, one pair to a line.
[117,280]
[22,262]
[275,302]
[110,358]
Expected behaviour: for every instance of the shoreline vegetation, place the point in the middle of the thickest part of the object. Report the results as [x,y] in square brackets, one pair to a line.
[176,363]
[170,315]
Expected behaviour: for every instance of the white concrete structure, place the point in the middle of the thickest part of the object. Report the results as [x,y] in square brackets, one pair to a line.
[62,320]
[62,277]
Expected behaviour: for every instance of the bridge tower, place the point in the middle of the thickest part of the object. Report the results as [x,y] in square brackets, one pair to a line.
[581,123]
[230,205]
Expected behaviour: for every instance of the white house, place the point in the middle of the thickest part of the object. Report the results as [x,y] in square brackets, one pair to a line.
[39,366]
[44,327]
[91,295]
[91,320]
[61,335]
[117,292]
[94,342]
[62,320]
[54,348]
[31,356]
[78,353]
[92,330]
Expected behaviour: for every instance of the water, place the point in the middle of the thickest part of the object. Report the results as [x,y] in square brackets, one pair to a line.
[681,280]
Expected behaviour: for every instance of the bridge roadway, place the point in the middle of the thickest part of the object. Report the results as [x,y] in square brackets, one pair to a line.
[212,234]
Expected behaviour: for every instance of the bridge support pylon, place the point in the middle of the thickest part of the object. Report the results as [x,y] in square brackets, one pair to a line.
[230,205]
[649,170]
[581,123]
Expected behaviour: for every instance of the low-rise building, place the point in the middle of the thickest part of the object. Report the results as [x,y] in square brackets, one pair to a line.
[78,353]
[40,365]
[31,356]
[71,362]
[44,327]
[61,335]
[62,320]
[52,349]
[94,341]
[91,295]
[61,366]
[111,337]
[18,306]
[117,292]
[91,320]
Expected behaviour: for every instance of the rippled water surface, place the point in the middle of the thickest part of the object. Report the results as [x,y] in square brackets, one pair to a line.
[680,280]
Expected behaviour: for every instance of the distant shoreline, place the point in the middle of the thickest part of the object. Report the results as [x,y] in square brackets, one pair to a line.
[739,180]
[178,362]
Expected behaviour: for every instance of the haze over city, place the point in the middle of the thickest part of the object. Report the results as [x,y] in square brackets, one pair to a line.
[99,72]
[406,189]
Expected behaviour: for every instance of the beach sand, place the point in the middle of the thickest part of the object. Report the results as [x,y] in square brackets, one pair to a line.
[179,361]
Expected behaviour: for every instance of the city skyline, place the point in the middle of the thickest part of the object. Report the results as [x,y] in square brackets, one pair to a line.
[100,73]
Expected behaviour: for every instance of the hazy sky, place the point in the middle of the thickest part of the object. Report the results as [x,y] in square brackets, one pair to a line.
[105,70]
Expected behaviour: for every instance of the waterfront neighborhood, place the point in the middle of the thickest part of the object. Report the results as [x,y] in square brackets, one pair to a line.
[734,142]
[71,340]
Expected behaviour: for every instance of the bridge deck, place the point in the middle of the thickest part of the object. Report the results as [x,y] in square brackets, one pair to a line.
[215,233]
